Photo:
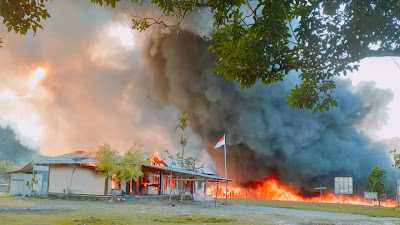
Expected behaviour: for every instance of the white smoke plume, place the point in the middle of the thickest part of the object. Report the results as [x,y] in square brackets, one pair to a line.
[93,91]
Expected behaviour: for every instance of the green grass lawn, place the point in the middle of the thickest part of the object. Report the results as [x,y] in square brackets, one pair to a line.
[112,216]
[339,208]
[103,213]
[154,212]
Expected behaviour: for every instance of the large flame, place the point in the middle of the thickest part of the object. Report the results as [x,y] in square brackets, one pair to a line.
[114,183]
[156,159]
[271,189]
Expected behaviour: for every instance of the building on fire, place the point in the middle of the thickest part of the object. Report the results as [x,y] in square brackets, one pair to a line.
[75,174]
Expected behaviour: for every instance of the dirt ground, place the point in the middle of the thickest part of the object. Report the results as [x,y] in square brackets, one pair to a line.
[149,211]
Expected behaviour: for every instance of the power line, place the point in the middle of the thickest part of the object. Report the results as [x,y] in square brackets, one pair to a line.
[395,62]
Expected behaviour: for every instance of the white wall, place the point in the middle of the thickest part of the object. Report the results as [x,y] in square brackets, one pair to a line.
[75,180]
[18,184]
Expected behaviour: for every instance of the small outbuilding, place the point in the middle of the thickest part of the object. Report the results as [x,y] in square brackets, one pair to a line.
[30,179]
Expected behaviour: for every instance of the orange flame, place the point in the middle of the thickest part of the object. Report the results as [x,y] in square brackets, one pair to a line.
[147,184]
[113,182]
[156,160]
[89,164]
[271,189]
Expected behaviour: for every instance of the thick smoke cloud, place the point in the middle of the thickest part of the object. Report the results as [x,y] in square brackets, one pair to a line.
[100,91]
[265,136]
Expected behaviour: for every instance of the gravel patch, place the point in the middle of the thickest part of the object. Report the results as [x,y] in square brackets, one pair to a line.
[24,211]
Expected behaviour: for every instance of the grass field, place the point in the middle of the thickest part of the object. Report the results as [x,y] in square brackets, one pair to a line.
[14,210]
[325,207]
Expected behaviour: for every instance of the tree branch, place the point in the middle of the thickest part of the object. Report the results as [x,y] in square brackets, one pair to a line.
[382,53]
[290,24]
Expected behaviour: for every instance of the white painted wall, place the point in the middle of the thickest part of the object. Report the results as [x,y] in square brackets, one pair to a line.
[19,187]
[75,180]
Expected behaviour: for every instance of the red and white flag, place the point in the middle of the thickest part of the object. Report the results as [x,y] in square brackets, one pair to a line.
[220,142]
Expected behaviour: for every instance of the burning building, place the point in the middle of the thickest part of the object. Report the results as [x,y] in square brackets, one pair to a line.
[161,179]
[75,174]
[161,74]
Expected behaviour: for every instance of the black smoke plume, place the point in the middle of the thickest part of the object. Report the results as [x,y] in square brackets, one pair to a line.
[265,137]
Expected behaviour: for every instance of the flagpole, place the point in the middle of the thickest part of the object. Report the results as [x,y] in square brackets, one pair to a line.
[226,176]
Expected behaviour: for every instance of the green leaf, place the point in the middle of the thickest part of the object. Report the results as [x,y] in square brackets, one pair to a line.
[315,110]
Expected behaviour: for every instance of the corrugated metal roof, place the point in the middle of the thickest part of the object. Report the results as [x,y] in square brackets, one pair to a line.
[171,163]
[183,171]
[79,157]
[28,168]
[87,158]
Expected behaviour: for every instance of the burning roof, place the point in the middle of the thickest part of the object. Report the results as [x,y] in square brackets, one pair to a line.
[87,159]
[156,159]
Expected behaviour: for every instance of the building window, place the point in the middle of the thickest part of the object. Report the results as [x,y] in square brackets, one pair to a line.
[155,182]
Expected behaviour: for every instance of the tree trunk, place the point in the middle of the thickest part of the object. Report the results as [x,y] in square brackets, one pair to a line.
[183,154]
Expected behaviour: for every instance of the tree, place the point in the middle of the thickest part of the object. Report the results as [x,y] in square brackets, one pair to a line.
[107,161]
[182,123]
[264,40]
[126,167]
[189,163]
[23,15]
[131,163]
[376,182]
[6,166]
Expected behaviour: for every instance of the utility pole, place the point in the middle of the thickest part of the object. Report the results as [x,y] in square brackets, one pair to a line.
[397,182]
[226,177]
[320,188]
